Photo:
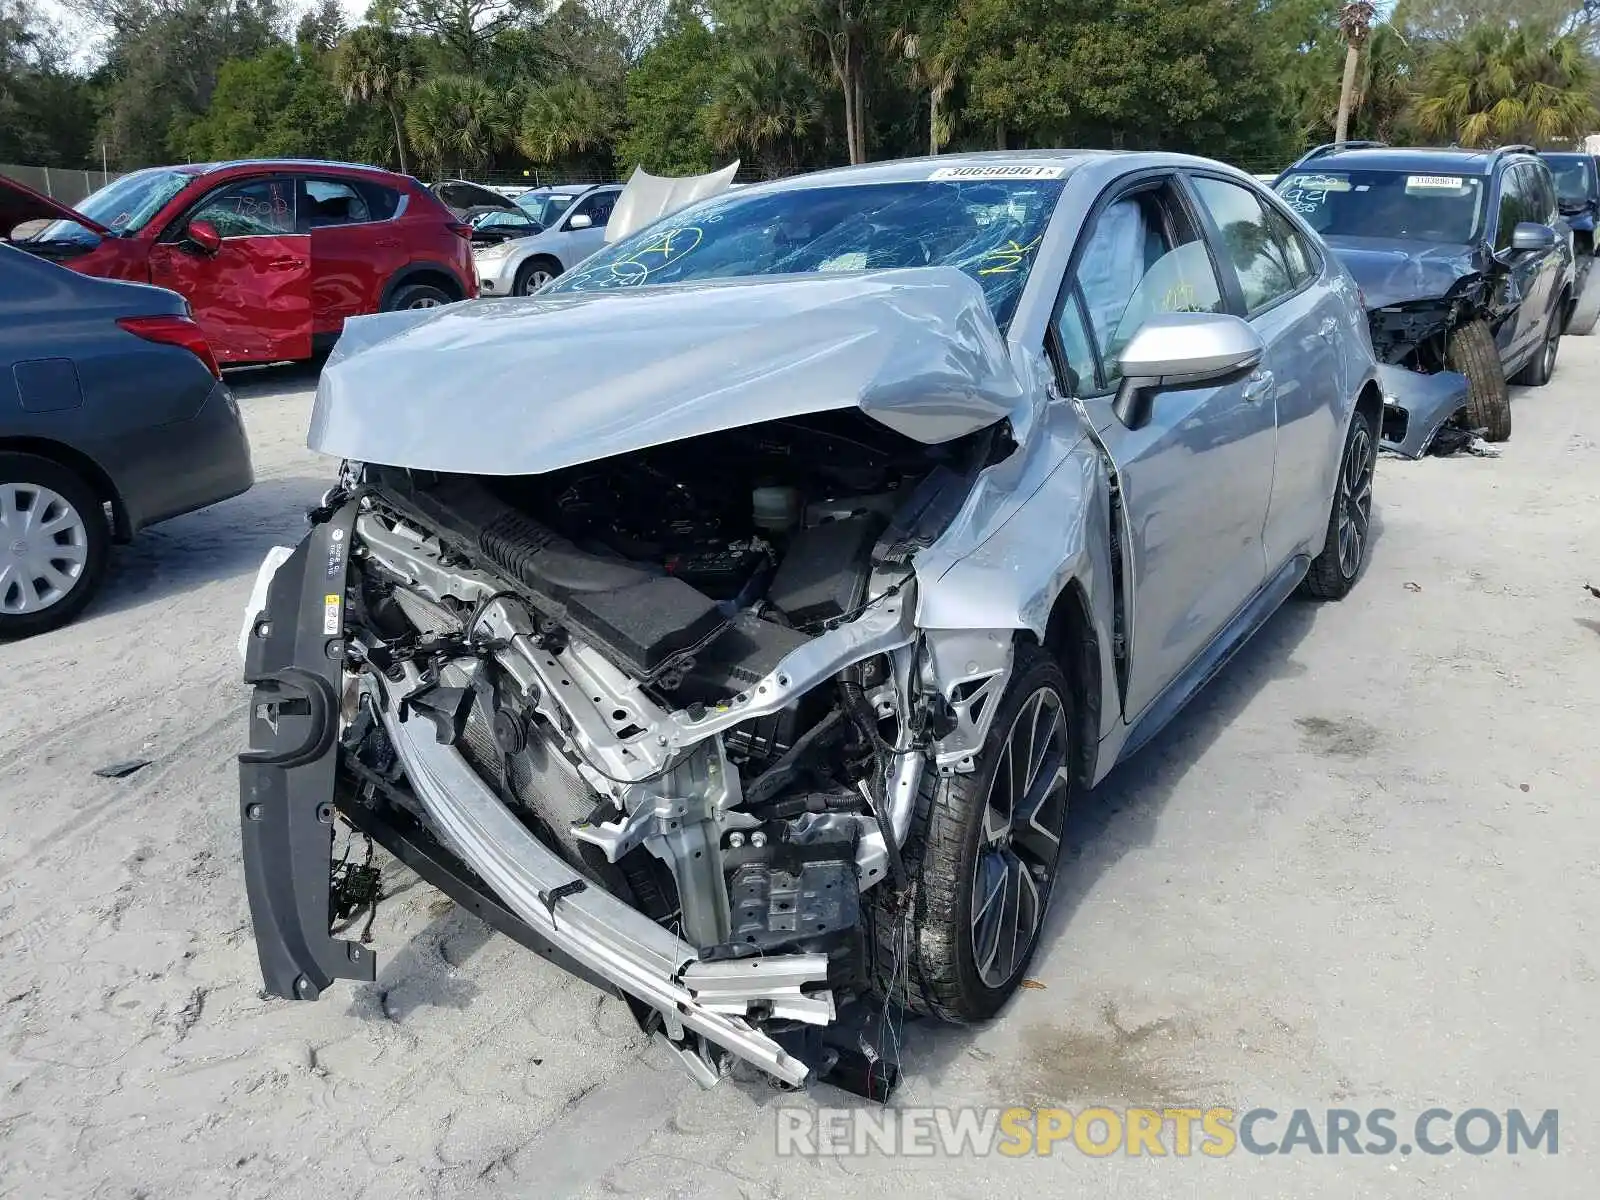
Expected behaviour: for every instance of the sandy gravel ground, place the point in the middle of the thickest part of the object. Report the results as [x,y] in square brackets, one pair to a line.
[1358,873]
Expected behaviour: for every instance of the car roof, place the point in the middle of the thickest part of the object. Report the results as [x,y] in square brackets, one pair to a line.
[910,170]
[1419,159]
[293,164]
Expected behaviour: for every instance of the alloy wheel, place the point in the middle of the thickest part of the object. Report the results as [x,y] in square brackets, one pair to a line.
[1021,838]
[44,548]
[426,302]
[1355,500]
[536,279]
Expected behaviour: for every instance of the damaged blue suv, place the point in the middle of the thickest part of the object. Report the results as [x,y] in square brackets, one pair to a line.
[1462,257]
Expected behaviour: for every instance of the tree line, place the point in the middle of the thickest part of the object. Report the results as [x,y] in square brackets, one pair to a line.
[590,88]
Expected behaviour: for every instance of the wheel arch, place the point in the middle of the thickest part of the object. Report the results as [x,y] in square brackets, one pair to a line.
[86,467]
[539,256]
[429,273]
[1072,639]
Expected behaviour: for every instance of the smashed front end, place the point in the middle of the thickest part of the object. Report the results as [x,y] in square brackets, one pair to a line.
[662,716]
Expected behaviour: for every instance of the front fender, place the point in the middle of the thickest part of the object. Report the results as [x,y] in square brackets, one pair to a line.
[1013,550]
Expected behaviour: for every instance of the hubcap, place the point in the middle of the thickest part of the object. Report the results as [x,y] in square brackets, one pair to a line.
[1355,502]
[44,547]
[1022,824]
[536,280]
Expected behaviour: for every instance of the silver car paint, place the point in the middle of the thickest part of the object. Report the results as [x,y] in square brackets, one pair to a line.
[497,276]
[516,387]
[988,571]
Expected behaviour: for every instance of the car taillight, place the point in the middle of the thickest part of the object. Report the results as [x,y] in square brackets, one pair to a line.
[464,232]
[173,331]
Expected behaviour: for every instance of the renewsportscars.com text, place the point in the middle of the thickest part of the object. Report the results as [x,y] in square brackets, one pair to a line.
[1100,1131]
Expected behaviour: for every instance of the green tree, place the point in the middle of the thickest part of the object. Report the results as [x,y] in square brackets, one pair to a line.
[46,112]
[571,121]
[765,107]
[669,91]
[1187,75]
[465,29]
[457,123]
[1500,85]
[320,28]
[377,66]
[277,104]
[163,64]
[843,34]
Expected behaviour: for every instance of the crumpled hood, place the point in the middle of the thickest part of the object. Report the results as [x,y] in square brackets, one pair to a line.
[1398,270]
[528,385]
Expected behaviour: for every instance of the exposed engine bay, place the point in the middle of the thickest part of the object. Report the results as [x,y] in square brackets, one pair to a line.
[1416,334]
[691,671]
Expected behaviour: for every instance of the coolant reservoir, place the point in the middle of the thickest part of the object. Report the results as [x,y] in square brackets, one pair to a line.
[775,509]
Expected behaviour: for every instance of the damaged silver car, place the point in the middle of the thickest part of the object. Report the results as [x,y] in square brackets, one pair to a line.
[734,622]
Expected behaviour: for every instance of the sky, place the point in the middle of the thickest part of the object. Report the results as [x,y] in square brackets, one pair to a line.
[88,50]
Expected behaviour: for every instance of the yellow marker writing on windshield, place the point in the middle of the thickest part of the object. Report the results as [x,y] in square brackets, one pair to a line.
[1009,257]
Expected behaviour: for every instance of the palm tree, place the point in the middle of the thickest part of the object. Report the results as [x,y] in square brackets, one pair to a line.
[374,65]
[1500,84]
[933,71]
[1355,22]
[567,119]
[765,105]
[457,122]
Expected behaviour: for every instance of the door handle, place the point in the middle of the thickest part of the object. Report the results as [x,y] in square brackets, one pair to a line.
[1260,386]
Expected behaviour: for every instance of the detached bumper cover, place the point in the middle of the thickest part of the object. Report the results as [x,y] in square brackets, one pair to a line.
[294,651]
[1417,406]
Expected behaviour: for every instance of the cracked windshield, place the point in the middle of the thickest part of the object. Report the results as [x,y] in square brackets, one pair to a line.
[990,229]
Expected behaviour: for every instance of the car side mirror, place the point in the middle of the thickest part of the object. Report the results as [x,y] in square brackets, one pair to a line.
[1530,237]
[580,221]
[1178,350]
[203,236]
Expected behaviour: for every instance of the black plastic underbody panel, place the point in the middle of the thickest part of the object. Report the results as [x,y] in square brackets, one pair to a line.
[287,787]
[286,778]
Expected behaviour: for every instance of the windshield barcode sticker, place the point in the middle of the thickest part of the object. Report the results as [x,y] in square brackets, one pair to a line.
[1434,181]
[1013,171]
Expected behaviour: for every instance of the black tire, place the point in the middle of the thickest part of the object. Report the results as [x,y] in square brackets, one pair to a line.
[418,295]
[534,274]
[21,612]
[925,955]
[1472,352]
[1542,365]
[1344,552]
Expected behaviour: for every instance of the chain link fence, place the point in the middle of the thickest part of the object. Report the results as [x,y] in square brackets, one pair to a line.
[59,183]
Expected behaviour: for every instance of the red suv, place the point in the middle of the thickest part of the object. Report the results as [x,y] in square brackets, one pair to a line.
[272,255]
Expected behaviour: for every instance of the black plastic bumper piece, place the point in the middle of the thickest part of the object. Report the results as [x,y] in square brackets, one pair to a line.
[286,779]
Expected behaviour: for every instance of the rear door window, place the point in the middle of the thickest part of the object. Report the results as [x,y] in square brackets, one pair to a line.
[326,202]
[1249,241]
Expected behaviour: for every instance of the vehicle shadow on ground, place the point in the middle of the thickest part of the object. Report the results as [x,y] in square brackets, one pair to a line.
[1123,814]
[219,542]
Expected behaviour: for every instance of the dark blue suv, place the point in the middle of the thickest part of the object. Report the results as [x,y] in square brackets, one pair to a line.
[1462,257]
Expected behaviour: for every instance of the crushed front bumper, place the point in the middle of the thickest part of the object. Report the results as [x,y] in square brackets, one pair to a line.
[1416,407]
[294,656]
